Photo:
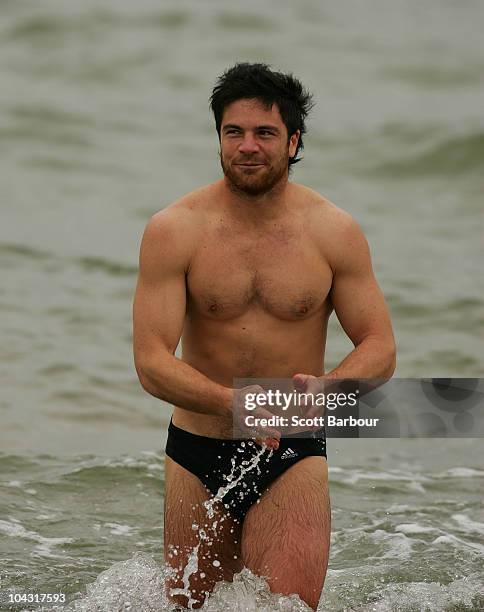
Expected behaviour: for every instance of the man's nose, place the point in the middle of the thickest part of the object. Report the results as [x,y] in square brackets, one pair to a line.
[249,144]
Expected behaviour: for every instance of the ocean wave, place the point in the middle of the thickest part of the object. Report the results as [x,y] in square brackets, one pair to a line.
[456,155]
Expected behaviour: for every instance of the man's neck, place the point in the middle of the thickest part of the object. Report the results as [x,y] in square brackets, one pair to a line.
[268,206]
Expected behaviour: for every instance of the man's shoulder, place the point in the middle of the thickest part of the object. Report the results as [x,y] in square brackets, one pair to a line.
[184,216]
[186,208]
[173,232]
[336,233]
[323,215]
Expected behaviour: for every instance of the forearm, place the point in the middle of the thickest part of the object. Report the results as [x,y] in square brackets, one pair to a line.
[373,358]
[177,383]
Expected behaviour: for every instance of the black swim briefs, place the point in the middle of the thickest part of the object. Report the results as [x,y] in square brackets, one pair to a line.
[230,468]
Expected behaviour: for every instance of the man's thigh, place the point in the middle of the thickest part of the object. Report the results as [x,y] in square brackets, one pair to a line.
[194,542]
[286,536]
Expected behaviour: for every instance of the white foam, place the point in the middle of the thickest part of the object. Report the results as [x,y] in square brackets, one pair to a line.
[398,508]
[117,529]
[414,528]
[468,524]
[251,593]
[333,469]
[15,530]
[392,475]
[460,472]
[46,517]
[44,546]
[138,585]
[428,596]
[14,483]
[458,542]
[416,486]
[399,546]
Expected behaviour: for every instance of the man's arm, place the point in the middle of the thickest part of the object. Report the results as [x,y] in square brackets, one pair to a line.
[158,316]
[361,309]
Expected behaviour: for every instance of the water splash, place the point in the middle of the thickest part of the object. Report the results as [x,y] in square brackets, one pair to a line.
[132,585]
[251,592]
[190,569]
[138,584]
[208,534]
[247,466]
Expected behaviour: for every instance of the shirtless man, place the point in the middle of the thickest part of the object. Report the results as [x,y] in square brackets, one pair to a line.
[247,271]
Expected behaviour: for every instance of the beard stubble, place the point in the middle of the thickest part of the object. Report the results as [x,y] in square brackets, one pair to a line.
[255,183]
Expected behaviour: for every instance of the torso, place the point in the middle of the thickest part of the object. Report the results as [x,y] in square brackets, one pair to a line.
[258,297]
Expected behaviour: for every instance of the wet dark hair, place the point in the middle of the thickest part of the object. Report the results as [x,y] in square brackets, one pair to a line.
[258,81]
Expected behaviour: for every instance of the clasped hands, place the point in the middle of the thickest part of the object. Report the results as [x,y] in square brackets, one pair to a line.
[264,434]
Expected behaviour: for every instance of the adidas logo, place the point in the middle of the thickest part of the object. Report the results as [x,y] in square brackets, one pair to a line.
[288,454]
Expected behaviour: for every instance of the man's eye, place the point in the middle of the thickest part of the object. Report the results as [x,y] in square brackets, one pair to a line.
[265,133]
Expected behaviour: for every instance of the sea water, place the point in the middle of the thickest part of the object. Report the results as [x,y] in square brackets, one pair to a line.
[407,532]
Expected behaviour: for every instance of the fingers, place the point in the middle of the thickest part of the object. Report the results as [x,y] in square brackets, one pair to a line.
[272,443]
[309,385]
[300,382]
[306,383]
[268,433]
[268,436]
[265,434]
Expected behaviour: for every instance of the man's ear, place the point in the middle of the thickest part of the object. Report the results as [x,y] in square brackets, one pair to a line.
[293,140]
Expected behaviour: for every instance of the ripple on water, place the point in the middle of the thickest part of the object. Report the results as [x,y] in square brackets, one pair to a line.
[456,155]
[462,594]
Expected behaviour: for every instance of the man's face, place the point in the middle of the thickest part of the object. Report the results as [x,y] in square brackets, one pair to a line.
[254,147]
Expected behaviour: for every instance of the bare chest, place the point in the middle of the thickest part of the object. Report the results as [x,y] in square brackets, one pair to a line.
[279,272]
